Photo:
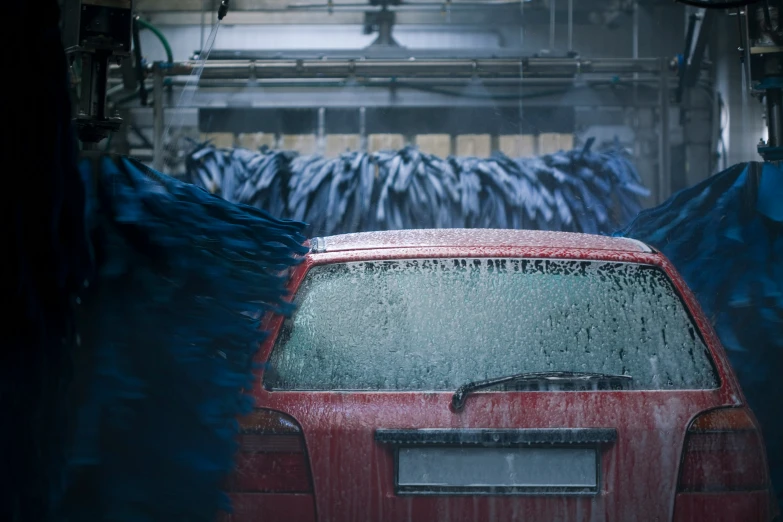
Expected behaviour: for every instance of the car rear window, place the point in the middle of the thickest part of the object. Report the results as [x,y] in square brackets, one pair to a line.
[430,325]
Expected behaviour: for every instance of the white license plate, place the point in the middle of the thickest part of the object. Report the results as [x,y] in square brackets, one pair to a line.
[497,470]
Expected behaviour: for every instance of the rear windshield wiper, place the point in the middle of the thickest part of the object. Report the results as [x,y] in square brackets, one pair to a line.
[459,397]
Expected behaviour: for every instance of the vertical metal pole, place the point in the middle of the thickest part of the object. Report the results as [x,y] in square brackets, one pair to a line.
[636,30]
[743,18]
[157,117]
[99,76]
[570,25]
[774,118]
[635,49]
[715,123]
[551,26]
[664,139]
[521,23]
[363,129]
[321,139]
[203,24]
[120,141]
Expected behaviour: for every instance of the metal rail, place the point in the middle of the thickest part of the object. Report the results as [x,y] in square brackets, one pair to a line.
[412,68]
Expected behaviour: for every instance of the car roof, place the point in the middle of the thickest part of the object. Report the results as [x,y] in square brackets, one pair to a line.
[474,238]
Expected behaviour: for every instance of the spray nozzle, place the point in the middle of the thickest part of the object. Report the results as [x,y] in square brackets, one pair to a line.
[223,9]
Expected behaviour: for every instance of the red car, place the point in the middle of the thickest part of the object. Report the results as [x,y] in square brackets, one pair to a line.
[496,375]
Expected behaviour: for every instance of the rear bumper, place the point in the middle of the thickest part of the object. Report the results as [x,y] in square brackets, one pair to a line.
[752,506]
[690,507]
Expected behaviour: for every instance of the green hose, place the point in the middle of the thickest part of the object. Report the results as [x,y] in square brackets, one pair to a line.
[146,25]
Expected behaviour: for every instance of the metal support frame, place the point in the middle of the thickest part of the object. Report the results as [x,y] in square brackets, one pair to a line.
[664,137]
[138,80]
[635,43]
[364,146]
[570,26]
[321,143]
[700,30]
[774,118]
[158,117]
[552,25]
[521,23]
[694,120]
[716,153]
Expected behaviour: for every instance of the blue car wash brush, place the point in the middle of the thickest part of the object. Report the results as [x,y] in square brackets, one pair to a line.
[133,319]
[725,236]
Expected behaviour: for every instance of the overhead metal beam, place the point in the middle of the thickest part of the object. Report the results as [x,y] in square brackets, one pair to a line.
[423,67]
[336,5]
[415,57]
[290,96]
[503,17]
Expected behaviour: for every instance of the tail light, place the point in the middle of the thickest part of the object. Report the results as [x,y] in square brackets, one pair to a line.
[723,474]
[272,457]
[724,451]
[272,480]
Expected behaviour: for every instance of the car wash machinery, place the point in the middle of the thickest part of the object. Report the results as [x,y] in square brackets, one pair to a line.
[97,34]
[762,56]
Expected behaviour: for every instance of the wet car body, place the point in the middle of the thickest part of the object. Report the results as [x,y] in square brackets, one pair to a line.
[331,453]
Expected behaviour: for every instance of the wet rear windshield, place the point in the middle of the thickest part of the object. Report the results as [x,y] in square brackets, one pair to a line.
[430,325]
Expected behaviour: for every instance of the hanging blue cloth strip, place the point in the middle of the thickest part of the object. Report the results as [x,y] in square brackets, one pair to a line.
[576,191]
[169,330]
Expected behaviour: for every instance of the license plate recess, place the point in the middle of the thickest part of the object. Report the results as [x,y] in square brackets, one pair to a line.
[497,462]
